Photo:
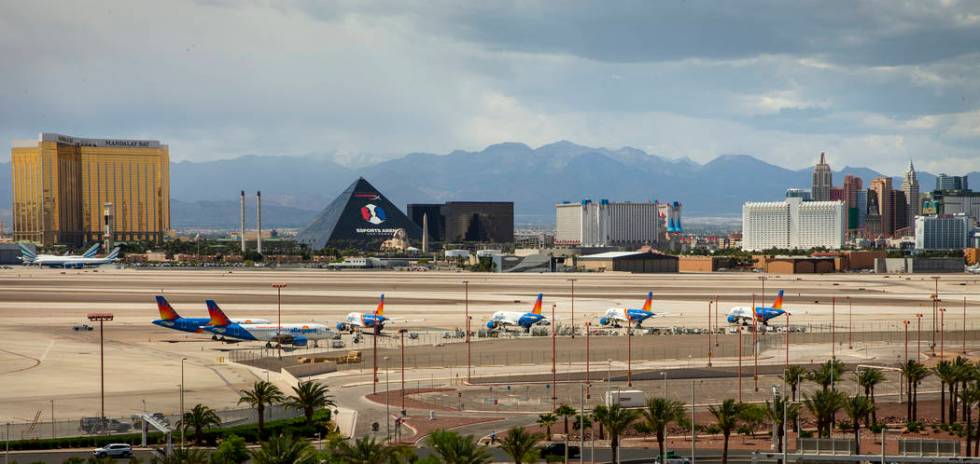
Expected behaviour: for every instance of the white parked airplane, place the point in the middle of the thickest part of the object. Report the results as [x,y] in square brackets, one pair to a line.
[618,317]
[68,261]
[524,320]
[375,321]
[285,334]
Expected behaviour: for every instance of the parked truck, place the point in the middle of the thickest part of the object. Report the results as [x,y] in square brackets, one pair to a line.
[626,398]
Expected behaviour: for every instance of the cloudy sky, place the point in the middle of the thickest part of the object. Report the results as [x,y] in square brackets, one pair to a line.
[870,83]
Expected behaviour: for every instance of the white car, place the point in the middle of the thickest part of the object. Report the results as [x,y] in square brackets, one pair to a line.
[114,450]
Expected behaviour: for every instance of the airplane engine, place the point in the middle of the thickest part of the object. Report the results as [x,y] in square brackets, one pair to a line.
[732,319]
[604,321]
[299,341]
[341,326]
[491,325]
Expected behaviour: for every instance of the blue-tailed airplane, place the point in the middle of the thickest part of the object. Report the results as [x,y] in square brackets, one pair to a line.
[358,321]
[617,317]
[524,320]
[283,334]
[171,320]
[67,261]
[743,315]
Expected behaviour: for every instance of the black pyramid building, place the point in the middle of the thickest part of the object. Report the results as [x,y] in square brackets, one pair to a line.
[360,217]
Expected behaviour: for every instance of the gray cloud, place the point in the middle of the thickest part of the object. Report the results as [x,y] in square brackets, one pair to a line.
[870,82]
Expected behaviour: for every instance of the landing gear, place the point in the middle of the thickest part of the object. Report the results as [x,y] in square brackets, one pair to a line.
[268,344]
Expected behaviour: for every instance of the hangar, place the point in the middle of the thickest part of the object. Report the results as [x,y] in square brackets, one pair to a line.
[628,261]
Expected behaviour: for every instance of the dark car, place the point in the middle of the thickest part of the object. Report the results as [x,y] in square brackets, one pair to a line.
[558,449]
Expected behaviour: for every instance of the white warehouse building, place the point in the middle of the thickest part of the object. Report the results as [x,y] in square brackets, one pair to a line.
[946,232]
[591,224]
[793,224]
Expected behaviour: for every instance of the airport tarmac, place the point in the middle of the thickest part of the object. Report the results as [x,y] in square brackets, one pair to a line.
[43,360]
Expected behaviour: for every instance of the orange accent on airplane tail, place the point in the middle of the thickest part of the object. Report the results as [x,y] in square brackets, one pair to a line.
[778,304]
[537,304]
[649,302]
[218,317]
[167,312]
[380,310]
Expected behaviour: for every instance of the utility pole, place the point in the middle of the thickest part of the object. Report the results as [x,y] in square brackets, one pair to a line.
[918,336]
[786,342]
[906,324]
[279,288]
[755,340]
[709,333]
[850,325]
[588,356]
[629,350]
[833,327]
[964,325]
[694,427]
[402,333]
[942,333]
[183,427]
[739,363]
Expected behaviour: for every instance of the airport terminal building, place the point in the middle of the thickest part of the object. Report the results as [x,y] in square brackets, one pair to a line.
[62,187]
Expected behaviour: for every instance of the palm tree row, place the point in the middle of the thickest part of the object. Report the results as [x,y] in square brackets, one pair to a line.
[307,397]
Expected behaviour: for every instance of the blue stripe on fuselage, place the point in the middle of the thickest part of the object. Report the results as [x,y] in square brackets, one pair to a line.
[232,331]
[638,315]
[184,324]
[767,313]
[529,319]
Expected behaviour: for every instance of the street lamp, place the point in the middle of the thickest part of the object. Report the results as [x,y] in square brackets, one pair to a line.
[402,333]
[942,333]
[387,404]
[466,327]
[664,375]
[279,288]
[101,318]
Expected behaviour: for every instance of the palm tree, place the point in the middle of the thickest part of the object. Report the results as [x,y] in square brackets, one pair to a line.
[947,379]
[365,450]
[454,448]
[857,407]
[792,376]
[776,411]
[727,415]
[546,420]
[262,394]
[521,445]
[565,411]
[828,373]
[599,414]
[968,397]
[199,418]
[657,415]
[582,422]
[914,372]
[965,372]
[617,420]
[284,449]
[823,405]
[868,378]
[310,396]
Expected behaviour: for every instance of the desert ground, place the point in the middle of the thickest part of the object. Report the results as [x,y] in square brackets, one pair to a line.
[45,365]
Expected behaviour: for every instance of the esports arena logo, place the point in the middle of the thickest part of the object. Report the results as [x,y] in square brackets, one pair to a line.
[373,214]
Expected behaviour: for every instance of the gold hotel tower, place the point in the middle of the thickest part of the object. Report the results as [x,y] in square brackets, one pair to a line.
[62,185]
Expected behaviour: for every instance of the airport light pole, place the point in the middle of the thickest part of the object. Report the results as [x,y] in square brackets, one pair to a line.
[554,360]
[402,333]
[588,355]
[833,327]
[374,362]
[906,324]
[183,425]
[279,288]
[850,325]
[629,350]
[101,318]
[709,333]
[755,341]
[942,333]
[964,325]
[786,342]
[387,404]
[716,320]
[935,312]
[466,327]
[918,336]
[573,306]
[739,363]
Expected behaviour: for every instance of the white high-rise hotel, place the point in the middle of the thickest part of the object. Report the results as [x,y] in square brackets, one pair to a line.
[591,224]
[793,224]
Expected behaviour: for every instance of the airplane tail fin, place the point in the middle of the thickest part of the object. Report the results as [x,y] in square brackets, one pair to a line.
[218,317]
[778,304]
[167,312]
[537,304]
[92,250]
[380,310]
[114,254]
[649,301]
[26,255]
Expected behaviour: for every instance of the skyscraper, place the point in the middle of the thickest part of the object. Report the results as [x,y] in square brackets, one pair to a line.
[61,185]
[853,185]
[910,186]
[823,180]
[882,187]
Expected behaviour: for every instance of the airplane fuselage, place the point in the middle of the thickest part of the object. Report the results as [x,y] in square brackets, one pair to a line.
[743,315]
[524,320]
[355,321]
[296,334]
[618,317]
[198,324]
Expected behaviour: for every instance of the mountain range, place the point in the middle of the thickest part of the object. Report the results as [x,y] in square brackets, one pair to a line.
[205,194]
